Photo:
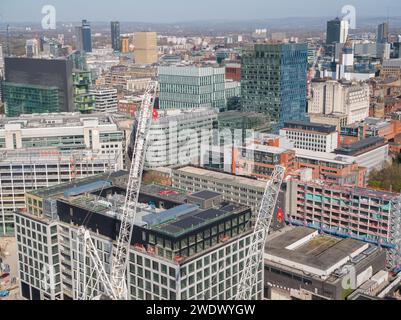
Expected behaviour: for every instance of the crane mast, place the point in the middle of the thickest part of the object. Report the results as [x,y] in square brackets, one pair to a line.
[115,286]
[120,258]
[255,254]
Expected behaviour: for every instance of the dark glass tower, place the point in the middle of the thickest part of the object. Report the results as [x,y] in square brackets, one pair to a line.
[86,36]
[115,36]
[273,81]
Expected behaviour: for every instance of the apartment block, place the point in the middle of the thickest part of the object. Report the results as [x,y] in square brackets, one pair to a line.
[39,152]
[311,136]
[105,99]
[364,214]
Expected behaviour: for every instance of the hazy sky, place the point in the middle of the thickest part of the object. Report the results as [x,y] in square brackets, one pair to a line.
[186,10]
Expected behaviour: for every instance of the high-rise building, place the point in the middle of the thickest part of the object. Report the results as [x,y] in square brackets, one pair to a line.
[38,86]
[41,151]
[192,87]
[124,44]
[337,31]
[32,48]
[145,47]
[351,99]
[78,38]
[274,81]
[105,99]
[382,33]
[115,36]
[184,247]
[86,36]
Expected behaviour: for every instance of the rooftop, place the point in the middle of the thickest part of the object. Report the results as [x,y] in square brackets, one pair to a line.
[264,148]
[325,156]
[223,177]
[53,120]
[306,249]
[360,146]
[303,125]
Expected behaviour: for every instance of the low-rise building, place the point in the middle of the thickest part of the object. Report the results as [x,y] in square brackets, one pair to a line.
[333,168]
[311,136]
[259,161]
[238,189]
[301,264]
[371,153]
[39,151]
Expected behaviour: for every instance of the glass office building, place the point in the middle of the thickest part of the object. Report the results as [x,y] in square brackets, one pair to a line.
[115,35]
[86,36]
[274,81]
[192,87]
[26,99]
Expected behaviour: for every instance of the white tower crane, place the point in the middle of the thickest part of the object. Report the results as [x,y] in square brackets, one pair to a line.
[254,257]
[115,286]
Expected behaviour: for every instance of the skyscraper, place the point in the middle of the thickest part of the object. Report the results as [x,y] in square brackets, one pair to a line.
[115,36]
[86,36]
[273,81]
[382,33]
[78,38]
[124,44]
[337,31]
[145,47]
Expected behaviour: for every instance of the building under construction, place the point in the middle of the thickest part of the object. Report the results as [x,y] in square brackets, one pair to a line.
[184,246]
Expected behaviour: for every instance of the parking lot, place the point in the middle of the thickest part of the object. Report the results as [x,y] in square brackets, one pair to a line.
[9,255]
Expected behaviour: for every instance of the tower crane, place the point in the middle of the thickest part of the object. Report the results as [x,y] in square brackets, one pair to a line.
[254,257]
[115,285]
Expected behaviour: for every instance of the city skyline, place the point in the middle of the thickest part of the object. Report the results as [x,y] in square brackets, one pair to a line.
[175,11]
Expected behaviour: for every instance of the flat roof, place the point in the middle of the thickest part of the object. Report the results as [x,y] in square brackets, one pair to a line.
[223,177]
[325,156]
[196,219]
[206,195]
[264,148]
[326,128]
[360,145]
[321,252]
